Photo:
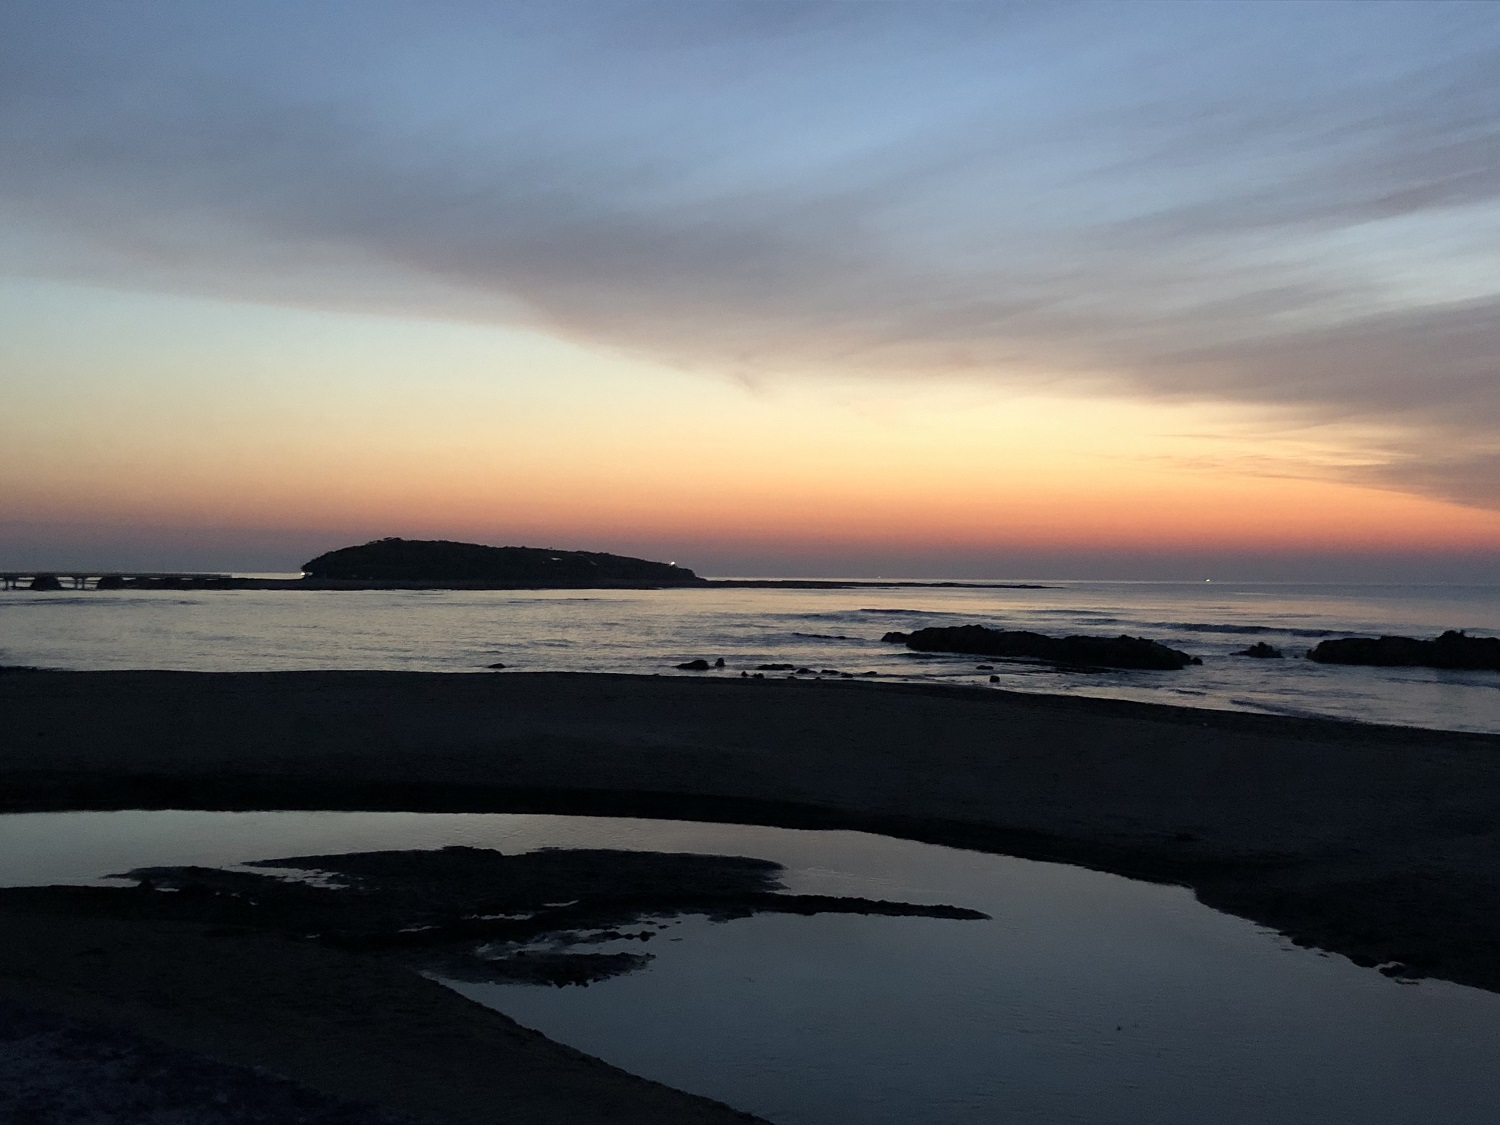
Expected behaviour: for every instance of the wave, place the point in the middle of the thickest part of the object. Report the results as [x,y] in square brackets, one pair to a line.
[1269,707]
[1248,630]
[912,611]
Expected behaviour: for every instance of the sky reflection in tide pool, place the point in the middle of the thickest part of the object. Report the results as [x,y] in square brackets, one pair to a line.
[1088,998]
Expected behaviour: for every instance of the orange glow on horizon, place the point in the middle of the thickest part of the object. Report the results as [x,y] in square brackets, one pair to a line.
[438,430]
[1161,512]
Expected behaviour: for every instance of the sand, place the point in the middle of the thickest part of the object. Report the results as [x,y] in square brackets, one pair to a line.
[1379,843]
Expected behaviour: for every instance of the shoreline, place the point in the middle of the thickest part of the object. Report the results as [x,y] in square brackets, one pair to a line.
[233,582]
[1378,843]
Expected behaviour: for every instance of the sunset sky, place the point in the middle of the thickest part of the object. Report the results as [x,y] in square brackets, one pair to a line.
[863,288]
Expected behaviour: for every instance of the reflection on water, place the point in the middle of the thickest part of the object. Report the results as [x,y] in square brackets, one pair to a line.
[1088,998]
[654,630]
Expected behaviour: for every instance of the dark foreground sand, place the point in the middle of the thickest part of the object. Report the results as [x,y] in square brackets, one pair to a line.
[1379,843]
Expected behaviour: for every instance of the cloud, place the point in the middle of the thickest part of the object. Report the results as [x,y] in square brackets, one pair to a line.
[792,189]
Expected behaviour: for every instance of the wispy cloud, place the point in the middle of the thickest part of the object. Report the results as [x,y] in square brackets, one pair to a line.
[1287,206]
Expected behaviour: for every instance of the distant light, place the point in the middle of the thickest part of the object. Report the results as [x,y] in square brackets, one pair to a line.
[1208,580]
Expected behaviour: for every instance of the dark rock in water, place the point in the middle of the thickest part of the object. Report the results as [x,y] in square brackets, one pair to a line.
[477,915]
[1098,652]
[694,666]
[830,672]
[436,561]
[994,679]
[984,667]
[1261,651]
[719,663]
[1453,650]
[496,667]
[45,582]
[895,638]
[805,672]
[775,667]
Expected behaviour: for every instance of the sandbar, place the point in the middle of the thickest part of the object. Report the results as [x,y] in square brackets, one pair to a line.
[1378,843]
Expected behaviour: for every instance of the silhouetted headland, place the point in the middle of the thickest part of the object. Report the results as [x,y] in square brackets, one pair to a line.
[441,564]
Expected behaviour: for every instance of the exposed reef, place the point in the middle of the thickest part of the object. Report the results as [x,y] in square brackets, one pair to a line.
[1453,650]
[1075,651]
[477,914]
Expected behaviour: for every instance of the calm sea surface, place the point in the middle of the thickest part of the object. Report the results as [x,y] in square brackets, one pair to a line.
[651,631]
[1086,999]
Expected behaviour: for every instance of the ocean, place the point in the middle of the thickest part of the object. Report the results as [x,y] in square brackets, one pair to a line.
[829,632]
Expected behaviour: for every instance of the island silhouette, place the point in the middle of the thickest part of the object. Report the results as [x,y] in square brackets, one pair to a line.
[395,560]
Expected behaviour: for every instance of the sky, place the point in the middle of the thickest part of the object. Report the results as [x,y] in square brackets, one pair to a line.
[930,289]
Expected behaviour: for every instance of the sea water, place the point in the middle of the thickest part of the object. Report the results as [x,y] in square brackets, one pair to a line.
[651,631]
[1085,999]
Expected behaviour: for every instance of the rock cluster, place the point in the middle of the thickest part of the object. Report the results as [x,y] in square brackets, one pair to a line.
[1093,652]
[1453,650]
[1261,651]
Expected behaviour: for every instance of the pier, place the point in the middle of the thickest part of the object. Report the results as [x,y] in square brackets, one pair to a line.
[114,580]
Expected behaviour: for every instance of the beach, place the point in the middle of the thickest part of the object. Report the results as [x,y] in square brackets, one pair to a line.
[1378,843]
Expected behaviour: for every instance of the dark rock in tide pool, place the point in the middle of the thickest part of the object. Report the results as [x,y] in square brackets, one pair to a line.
[895,638]
[774,667]
[495,667]
[719,663]
[1096,652]
[1261,651]
[478,915]
[1454,650]
[694,665]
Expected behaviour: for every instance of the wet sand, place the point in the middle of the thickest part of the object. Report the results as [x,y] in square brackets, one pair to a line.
[353,1028]
[1376,842]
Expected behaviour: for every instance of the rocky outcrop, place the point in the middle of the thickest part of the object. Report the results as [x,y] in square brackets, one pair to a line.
[1260,651]
[1453,650]
[438,561]
[1089,652]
